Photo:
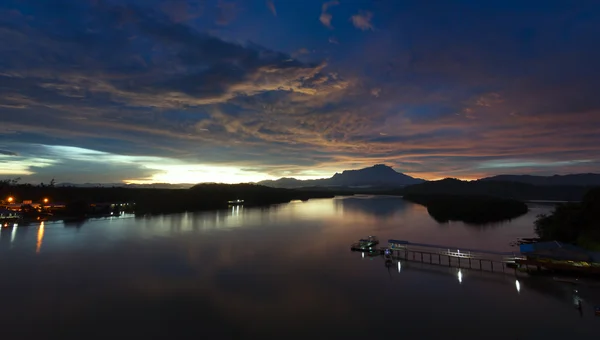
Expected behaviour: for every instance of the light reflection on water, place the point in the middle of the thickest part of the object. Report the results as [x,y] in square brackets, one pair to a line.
[263,272]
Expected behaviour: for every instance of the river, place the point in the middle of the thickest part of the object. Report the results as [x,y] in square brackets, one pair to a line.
[283,271]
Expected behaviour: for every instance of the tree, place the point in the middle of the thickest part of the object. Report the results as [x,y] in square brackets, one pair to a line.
[577,223]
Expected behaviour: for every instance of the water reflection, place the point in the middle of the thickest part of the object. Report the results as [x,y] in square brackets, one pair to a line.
[261,273]
[568,294]
[380,207]
[12,235]
[40,238]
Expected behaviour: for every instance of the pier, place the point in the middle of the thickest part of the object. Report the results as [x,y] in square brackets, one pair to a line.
[452,256]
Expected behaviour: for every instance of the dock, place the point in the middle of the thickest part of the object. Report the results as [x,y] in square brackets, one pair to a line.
[452,256]
[550,257]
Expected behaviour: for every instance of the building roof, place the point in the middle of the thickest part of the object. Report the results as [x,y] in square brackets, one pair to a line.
[556,250]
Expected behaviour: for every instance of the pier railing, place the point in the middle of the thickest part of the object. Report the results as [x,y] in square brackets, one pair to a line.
[453,256]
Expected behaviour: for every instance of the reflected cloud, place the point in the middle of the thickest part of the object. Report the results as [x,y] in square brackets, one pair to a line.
[377,207]
[214,269]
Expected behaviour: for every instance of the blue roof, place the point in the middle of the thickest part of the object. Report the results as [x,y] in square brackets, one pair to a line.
[531,247]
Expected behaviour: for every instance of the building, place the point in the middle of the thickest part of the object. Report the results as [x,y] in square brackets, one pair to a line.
[6,214]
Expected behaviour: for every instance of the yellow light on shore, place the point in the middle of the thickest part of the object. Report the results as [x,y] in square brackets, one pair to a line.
[10,199]
[46,200]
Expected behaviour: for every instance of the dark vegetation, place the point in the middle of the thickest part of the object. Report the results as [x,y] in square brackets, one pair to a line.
[577,223]
[149,201]
[573,179]
[514,190]
[450,186]
[476,202]
[470,209]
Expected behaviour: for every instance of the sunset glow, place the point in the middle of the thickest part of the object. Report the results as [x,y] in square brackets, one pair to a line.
[143,91]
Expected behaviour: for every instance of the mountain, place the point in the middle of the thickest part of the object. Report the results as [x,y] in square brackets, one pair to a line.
[574,179]
[379,175]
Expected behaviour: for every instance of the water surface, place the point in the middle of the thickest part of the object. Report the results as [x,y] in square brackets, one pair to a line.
[283,271]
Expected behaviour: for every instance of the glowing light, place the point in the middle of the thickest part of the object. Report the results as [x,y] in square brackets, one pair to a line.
[46,200]
[399,267]
[13,234]
[40,238]
[10,199]
[518,284]
[198,173]
[460,276]
[363,255]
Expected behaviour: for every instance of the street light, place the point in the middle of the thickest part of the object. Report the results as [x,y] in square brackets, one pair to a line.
[10,199]
[45,201]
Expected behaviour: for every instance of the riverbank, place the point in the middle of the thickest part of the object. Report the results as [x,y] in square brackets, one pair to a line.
[82,202]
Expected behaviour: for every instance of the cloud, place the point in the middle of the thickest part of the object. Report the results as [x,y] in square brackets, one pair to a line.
[226,12]
[8,153]
[142,82]
[271,7]
[183,10]
[301,51]
[199,69]
[362,20]
[325,17]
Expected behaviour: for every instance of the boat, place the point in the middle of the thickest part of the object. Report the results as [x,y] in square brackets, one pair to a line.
[235,202]
[365,244]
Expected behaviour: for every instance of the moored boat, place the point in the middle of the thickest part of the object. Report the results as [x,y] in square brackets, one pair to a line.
[366,244]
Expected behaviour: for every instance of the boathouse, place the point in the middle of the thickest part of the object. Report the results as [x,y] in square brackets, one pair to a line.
[560,252]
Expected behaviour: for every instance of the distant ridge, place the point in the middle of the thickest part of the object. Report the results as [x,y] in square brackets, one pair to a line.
[496,188]
[379,175]
[588,179]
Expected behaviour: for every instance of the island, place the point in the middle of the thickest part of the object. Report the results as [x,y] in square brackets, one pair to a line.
[470,209]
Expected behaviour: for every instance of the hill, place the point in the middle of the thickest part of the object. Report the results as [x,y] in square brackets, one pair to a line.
[514,190]
[470,209]
[587,180]
[379,175]
[577,223]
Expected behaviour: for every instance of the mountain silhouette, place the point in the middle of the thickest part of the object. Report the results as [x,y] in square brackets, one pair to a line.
[375,176]
[573,179]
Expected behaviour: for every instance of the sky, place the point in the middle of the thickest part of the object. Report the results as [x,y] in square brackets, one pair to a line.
[188,91]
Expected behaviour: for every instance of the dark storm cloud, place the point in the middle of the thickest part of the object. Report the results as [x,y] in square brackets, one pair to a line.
[75,171]
[8,153]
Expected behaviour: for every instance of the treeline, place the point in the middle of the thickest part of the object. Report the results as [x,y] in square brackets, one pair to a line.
[199,197]
[577,223]
[513,190]
[471,209]
[451,186]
